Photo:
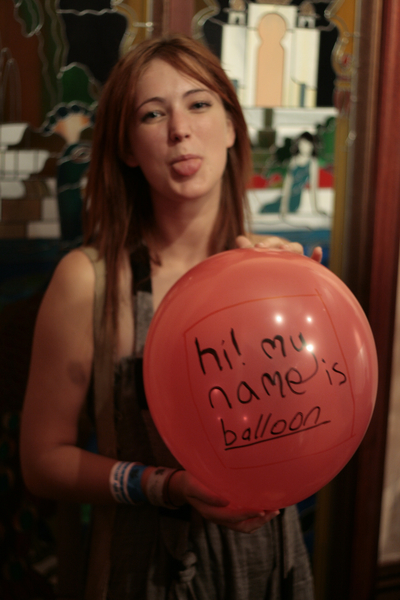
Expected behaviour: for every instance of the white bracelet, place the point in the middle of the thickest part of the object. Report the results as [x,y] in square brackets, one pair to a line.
[125,482]
[157,487]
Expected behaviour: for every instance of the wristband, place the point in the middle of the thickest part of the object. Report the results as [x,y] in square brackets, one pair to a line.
[157,488]
[125,482]
[165,492]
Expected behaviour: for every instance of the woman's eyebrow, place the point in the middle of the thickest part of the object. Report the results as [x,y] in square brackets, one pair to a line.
[153,99]
[162,100]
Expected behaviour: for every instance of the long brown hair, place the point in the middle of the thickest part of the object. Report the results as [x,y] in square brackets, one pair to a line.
[118,213]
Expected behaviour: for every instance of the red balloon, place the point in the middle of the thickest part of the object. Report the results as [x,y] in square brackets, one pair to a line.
[260,371]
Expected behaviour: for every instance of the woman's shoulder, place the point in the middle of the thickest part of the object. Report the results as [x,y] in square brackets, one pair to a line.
[66,309]
[74,276]
[78,262]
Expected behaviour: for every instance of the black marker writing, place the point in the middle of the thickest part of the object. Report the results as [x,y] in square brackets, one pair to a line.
[214,354]
[215,393]
[344,378]
[210,351]
[250,393]
[272,343]
[272,379]
[272,429]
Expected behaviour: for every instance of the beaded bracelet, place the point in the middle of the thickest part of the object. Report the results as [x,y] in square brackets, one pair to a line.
[157,487]
[125,482]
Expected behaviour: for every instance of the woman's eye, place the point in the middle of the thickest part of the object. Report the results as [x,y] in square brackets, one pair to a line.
[151,115]
[201,104]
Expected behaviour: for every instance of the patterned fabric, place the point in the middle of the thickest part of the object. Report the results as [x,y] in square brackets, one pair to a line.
[160,554]
[301,175]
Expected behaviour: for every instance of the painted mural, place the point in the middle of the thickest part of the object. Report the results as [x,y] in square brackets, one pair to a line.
[283,98]
[278,55]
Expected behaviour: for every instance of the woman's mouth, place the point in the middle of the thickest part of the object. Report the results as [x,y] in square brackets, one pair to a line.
[186,165]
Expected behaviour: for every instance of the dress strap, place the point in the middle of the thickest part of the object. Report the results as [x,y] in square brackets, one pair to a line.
[143,313]
[143,298]
[103,364]
[103,374]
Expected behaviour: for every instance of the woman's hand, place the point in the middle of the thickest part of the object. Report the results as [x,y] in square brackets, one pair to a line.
[273,242]
[184,488]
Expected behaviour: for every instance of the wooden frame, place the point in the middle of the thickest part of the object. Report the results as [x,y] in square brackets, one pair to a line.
[351,506]
[382,303]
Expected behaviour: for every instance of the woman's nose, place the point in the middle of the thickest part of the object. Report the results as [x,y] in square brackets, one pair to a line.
[179,126]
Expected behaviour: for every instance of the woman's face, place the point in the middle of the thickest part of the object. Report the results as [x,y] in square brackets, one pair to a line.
[305,147]
[179,135]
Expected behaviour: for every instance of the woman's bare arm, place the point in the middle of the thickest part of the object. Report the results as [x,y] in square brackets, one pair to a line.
[59,377]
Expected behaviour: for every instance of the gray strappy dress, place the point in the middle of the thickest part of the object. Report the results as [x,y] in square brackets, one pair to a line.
[148,553]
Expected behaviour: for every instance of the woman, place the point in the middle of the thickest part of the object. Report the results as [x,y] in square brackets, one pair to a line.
[166,187]
[303,169]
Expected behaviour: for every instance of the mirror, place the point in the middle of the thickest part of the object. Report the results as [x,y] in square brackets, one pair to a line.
[55,57]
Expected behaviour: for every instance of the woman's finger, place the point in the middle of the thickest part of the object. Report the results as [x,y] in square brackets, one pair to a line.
[317,254]
[243,242]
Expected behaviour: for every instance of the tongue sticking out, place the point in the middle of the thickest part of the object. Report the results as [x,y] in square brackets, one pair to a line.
[187,167]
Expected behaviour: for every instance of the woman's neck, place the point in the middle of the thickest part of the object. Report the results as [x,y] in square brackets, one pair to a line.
[178,244]
[302,159]
[182,233]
